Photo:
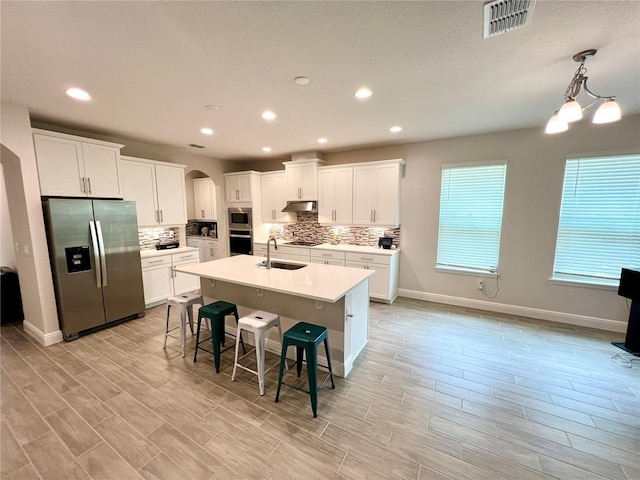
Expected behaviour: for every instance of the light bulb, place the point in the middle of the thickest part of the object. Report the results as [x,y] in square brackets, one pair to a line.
[571,111]
[555,125]
[608,112]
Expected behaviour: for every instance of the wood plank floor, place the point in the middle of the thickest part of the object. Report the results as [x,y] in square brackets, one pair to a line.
[439,392]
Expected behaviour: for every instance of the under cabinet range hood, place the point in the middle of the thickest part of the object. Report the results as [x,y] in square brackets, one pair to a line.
[301,206]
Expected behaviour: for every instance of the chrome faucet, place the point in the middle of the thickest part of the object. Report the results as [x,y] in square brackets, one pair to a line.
[275,244]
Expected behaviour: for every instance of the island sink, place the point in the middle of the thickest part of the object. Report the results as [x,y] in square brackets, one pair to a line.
[283,265]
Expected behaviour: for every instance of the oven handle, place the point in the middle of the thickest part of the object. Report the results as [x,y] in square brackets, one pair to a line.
[240,236]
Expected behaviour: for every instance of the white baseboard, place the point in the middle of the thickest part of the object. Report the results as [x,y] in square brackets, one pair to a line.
[44,339]
[560,317]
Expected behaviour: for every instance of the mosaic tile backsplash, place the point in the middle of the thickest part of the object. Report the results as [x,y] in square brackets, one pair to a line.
[149,237]
[308,228]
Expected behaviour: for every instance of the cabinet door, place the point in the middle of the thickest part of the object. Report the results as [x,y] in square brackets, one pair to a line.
[231,189]
[309,182]
[363,195]
[387,195]
[210,249]
[378,282]
[326,196]
[294,182]
[274,199]
[204,192]
[139,185]
[60,166]
[101,169]
[185,282]
[157,284]
[343,206]
[244,185]
[171,197]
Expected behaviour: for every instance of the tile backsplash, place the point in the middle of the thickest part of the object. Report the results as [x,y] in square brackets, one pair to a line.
[308,228]
[149,237]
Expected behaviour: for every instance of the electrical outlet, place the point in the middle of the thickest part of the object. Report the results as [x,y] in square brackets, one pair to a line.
[480,284]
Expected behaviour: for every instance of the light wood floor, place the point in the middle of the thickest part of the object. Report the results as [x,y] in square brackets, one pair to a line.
[438,393]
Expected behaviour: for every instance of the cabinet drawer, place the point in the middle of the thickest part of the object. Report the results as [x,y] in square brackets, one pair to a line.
[195,242]
[183,257]
[156,261]
[299,251]
[368,258]
[327,255]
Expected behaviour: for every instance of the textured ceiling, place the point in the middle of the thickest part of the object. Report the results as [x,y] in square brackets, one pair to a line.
[151,68]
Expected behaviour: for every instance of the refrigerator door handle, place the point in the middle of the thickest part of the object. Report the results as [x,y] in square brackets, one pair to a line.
[103,257]
[96,251]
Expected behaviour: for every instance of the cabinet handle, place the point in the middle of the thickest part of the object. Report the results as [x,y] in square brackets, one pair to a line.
[156,261]
[273,214]
[158,216]
[202,213]
[299,192]
[83,187]
[161,217]
[375,214]
[89,184]
[371,216]
[237,194]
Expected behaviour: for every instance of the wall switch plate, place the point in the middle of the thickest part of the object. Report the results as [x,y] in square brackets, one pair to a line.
[480,284]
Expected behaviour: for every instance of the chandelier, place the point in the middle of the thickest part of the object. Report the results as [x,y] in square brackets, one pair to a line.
[571,111]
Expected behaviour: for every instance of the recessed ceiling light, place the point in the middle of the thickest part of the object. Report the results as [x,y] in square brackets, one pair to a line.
[395,129]
[266,149]
[322,140]
[268,115]
[212,107]
[363,93]
[206,131]
[301,80]
[78,94]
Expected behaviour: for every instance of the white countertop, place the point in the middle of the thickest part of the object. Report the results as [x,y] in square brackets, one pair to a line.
[341,247]
[158,253]
[202,237]
[326,283]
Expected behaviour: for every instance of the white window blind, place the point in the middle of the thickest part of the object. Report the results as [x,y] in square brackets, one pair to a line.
[471,201]
[599,226]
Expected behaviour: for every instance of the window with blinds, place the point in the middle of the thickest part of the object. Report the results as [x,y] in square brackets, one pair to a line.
[471,199]
[599,226]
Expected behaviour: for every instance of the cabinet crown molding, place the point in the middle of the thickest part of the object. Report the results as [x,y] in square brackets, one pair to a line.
[76,138]
[148,160]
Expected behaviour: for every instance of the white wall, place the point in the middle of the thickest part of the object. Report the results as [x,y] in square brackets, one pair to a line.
[532,203]
[27,222]
[7,253]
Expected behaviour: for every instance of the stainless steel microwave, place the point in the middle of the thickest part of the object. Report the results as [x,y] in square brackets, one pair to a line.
[240,218]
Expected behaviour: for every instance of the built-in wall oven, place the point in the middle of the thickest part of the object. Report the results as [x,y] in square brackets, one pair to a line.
[240,231]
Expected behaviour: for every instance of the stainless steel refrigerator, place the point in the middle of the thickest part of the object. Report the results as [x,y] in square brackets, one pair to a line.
[95,259]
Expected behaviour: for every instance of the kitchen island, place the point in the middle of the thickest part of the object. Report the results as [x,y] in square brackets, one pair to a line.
[332,296]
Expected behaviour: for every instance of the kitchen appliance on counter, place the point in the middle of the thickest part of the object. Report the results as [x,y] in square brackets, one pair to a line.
[385,242]
[95,261]
[167,244]
[240,231]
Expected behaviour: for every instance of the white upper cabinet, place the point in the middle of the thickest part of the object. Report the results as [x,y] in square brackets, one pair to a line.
[158,190]
[376,193]
[302,179]
[73,166]
[237,187]
[274,198]
[335,195]
[204,193]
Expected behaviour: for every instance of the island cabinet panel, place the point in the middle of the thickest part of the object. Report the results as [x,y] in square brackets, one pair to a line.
[73,166]
[204,196]
[346,320]
[335,195]
[158,190]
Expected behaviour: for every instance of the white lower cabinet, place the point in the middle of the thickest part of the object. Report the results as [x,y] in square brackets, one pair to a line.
[383,284]
[208,248]
[297,254]
[327,257]
[260,250]
[160,281]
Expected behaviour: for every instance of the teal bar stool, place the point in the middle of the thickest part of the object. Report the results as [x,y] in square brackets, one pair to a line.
[216,313]
[306,337]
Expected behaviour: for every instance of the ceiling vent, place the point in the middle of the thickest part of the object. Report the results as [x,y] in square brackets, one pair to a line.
[502,16]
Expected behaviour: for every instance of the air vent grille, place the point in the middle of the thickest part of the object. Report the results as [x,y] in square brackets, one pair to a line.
[502,16]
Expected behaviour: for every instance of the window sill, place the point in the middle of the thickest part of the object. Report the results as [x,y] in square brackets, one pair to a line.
[464,271]
[584,283]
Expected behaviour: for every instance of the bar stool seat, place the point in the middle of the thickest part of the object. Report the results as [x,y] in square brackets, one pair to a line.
[216,314]
[185,303]
[306,337]
[258,323]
